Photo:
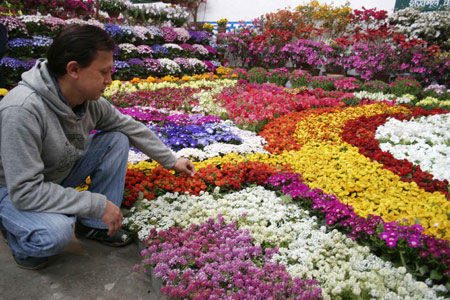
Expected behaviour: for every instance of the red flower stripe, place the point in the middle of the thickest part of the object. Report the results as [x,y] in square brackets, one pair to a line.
[231,176]
[360,133]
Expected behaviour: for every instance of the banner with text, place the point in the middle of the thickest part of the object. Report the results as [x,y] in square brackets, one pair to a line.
[426,5]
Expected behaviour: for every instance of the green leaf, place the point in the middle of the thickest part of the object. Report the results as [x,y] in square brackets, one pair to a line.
[141,196]
[435,275]
[286,198]
[423,270]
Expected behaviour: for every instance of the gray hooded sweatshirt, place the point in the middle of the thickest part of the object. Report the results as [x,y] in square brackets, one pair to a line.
[41,138]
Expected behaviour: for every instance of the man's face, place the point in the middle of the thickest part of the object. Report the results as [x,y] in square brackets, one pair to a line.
[95,77]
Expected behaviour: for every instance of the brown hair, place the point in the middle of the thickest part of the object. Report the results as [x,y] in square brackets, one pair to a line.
[78,43]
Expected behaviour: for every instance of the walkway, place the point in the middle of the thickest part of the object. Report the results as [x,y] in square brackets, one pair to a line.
[85,270]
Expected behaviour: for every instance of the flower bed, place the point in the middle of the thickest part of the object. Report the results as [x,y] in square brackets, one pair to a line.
[348,210]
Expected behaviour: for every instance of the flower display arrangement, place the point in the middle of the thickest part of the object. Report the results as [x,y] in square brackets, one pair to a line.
[343,137]
[160,49]
[318,199]
[368,44]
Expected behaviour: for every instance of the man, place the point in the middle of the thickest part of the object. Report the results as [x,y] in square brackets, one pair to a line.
[46,150]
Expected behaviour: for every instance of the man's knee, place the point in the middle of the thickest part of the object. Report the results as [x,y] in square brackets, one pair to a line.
[50,240]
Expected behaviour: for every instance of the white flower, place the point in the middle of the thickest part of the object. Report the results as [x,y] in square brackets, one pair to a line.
[169,65]
[424,141]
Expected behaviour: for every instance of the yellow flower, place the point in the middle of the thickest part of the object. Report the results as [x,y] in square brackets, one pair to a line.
[150,79]
[135,80]
[3,92]
[222,22]
[223,70]
[208,26]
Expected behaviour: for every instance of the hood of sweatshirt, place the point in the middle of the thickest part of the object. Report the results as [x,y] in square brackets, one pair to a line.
[39,79]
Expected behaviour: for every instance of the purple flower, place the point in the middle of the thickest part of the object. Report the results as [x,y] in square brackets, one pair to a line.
[169,34]
[216,261]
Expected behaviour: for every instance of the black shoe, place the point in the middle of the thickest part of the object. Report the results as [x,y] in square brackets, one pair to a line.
[4,234]
[121,238]
[31,263]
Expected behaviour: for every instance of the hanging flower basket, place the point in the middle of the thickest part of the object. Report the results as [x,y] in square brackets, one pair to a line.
[114,13]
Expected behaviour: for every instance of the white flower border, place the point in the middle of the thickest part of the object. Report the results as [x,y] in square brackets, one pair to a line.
[341,266]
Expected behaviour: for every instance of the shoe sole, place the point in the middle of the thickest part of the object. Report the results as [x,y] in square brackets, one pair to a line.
[38,267]
[79,236]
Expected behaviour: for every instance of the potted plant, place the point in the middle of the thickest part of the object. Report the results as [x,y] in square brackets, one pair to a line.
[137,14]
[222,25]
[112,7]
[334,63]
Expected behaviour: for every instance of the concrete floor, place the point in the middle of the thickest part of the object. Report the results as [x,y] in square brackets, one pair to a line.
[84,270]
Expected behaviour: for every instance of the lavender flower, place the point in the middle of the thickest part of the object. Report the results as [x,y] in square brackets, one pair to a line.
[154,32]
[135,61]
[199,36]
[157,49]
[153,65]
[114,30]
[19,42]
[178,137]
[42,41]
[118,65]
[14,26]
[13,63]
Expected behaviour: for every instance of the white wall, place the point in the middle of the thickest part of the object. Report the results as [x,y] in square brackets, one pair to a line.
[247,10]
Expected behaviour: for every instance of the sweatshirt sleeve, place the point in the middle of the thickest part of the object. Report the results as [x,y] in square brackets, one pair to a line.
[21,136]
[140,135]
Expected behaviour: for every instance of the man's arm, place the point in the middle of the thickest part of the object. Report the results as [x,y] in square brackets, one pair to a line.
[21,137]
[142,138]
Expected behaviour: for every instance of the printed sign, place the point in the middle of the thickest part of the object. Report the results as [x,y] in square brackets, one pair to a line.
[424,4]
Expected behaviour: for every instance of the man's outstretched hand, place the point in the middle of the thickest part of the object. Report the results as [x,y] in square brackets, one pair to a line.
[185,166]
[112,218]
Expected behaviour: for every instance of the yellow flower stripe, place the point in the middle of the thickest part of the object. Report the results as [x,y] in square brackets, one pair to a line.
[328,126]
[341,170]
[336,167]
[151,85]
